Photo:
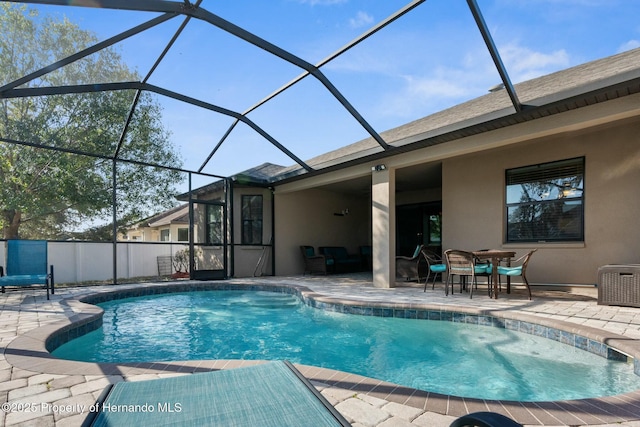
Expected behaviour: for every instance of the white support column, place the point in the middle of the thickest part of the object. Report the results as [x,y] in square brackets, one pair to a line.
[383,220]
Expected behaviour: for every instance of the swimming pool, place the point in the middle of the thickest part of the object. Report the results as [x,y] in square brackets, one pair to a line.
[466,360]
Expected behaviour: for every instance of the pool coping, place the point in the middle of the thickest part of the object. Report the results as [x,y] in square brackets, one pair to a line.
[30,351]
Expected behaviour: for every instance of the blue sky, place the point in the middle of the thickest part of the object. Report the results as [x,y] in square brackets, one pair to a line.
[428,60]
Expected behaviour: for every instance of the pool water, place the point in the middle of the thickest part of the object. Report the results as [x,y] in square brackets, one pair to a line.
[445,357]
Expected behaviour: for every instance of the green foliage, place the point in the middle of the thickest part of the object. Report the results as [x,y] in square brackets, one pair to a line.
[45,193]
[180,259]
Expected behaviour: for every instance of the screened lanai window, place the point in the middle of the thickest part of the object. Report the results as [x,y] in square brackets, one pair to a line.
[252,220]
[213,226]
[545,202]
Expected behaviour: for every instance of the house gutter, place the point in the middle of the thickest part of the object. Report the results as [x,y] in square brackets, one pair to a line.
[550,105]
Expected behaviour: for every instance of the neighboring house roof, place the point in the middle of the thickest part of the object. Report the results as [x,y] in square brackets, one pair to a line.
[177,215]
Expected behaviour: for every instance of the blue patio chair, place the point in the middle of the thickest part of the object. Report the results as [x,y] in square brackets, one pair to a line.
[520,270]
[436,266]
[463,264]
[27,265]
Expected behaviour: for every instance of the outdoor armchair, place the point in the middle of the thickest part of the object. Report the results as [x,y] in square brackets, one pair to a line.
[314,263]
[413,266]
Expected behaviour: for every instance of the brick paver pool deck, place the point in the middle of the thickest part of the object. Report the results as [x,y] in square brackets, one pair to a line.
[39,390]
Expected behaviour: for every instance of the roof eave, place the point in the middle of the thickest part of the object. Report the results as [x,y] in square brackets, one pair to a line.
[604,90]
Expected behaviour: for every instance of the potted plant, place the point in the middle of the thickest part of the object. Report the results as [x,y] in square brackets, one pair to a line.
[180,263]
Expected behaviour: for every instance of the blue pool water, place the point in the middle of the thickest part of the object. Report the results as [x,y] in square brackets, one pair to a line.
[444,357]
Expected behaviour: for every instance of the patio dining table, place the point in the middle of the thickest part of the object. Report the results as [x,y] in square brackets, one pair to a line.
[495,255]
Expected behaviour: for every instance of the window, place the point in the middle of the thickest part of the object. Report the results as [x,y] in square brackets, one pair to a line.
[164,235]
[214,225]
[545,203]
[435,227]
[183,234]
[252,220]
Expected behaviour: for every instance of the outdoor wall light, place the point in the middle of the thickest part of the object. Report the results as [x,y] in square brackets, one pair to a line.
[344,212]
[378,168]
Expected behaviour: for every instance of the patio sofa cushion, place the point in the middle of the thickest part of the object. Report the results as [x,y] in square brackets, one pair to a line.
[438,268]
[343,261]
[23,280]
[510,271]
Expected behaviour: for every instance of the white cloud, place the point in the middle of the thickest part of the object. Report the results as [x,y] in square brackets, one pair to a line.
[523,63]
[631,44]
[437,86]
[443,86]
[362,19]
[425,94]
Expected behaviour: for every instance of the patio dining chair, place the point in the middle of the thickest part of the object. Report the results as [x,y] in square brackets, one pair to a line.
[518,270]
[435,266]
[488,268]
[463,264]
[413,266]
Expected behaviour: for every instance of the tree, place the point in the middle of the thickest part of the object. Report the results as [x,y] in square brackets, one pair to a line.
[44,193]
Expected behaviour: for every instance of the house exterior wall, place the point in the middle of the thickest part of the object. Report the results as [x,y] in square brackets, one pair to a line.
[307,218]
[142,234]
[152,234]
[474,201]
[173,231]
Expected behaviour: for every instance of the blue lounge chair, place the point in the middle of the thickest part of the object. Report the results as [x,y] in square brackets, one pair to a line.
[27,265]
[270,394]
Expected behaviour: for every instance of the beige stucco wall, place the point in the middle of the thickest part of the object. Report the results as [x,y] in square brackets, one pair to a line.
[173,231]
[307,218]
[473,169]
[474,205]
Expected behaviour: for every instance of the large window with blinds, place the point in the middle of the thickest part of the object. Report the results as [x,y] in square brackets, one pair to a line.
[545,202]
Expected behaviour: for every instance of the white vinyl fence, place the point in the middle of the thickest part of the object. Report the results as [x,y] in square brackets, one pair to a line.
[76,262]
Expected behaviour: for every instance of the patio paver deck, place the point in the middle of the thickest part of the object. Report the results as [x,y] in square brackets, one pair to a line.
[36,389]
